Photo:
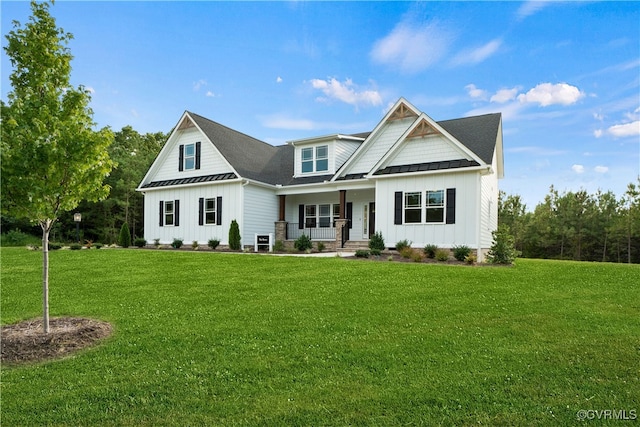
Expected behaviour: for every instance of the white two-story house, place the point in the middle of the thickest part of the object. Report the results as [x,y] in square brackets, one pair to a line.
[409,178]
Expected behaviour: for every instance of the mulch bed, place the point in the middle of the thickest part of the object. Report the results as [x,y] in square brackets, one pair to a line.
[25,342]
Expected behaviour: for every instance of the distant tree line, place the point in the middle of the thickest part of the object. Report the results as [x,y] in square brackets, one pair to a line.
[576,225]
[132,154]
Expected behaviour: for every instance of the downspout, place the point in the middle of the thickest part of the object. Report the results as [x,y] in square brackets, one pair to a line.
[479,221]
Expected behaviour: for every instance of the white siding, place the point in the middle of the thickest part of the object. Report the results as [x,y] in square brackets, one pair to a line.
[463,232]
[433,148]
[188,229]
[489,208]
[344,150]
[211,161]
[260,212]
[378,147]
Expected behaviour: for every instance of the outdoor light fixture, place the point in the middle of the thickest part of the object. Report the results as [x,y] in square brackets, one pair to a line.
[77,217]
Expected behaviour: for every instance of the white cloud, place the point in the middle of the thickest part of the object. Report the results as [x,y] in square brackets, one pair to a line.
[601,169]
[530,7]
[199,84]
[598,133]
[577,168]
[210,94]
[90,89]
[474,92]
[346,92]
[623,130]
[477,55]
[505,95]
[279,79]
[412,48]
[546,94]
[279,121]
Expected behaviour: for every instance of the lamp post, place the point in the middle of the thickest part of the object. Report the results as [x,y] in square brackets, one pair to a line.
[77,217]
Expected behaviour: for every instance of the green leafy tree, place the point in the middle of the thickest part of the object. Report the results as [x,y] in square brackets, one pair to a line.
[234,236]
[503,249]
[52,158]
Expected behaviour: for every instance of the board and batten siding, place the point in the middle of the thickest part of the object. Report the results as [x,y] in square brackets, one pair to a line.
[463,232]
[379,145]
[211,160]
[489,206]
[260,212]
[435,148]
[189,229]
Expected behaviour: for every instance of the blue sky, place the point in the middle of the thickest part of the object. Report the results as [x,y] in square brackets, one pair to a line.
[565,75]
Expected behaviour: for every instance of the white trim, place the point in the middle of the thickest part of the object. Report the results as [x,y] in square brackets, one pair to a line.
[401,141]
[372,136]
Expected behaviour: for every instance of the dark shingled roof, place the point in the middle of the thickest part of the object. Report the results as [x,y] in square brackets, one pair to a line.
[257,160]
[478,133]
[252,158]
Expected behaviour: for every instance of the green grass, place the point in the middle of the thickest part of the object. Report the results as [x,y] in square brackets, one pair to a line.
[226,339]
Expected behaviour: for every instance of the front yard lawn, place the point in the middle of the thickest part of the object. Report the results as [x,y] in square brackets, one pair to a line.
[231,339]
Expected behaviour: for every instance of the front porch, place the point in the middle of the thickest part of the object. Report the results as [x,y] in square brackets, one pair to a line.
[329,217]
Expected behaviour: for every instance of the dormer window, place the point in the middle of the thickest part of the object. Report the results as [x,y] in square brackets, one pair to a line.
[315,159]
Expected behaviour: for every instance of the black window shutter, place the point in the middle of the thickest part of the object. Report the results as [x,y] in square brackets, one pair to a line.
[198,149]
[451,206]
[300,217]
[181,159]
[161,213]
[350,214]
[176,213]
[201,211]
[397,208]
[219,210]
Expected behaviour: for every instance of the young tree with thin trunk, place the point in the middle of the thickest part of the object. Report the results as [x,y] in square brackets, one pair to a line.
[52,158]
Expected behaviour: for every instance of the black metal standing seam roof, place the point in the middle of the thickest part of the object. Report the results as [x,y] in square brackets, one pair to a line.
[430,166]
[191,180]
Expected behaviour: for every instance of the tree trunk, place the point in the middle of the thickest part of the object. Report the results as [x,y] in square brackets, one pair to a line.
[46,228]
[604,250]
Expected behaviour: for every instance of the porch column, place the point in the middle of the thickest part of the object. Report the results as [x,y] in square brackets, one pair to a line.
[343,204]
[341,227]
[281,224]
[281,212]
[342,230]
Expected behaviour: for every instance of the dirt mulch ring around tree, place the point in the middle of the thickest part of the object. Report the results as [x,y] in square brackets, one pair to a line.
[25,342]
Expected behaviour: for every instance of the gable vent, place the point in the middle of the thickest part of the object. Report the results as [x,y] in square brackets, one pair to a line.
[402,112]
[186,124]
[423,129]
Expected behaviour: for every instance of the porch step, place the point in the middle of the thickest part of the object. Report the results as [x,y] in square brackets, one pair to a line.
[354,245]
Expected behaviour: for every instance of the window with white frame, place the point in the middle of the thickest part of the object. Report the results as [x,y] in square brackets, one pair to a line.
[435,206]
[189,156]
[322,158]
[169,213]
[310,219]
[413,207]
[210,211]
[324,215]
[315,159]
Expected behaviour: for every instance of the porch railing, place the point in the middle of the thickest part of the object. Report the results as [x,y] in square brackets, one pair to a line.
[315,233]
